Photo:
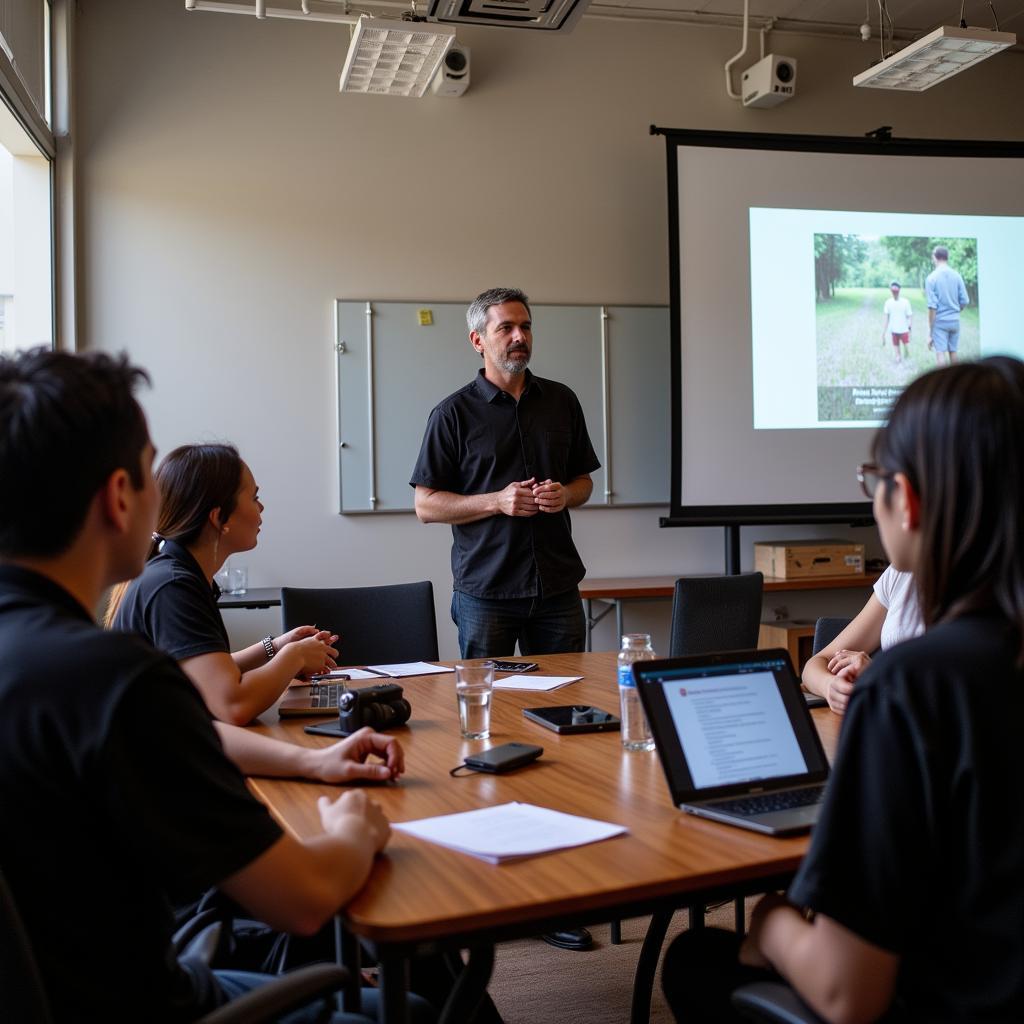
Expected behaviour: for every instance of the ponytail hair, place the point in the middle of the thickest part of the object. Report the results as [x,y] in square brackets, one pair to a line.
[191,481]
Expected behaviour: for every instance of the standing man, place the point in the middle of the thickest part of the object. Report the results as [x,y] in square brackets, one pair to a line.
[947,296]
[503,460]
[898,316]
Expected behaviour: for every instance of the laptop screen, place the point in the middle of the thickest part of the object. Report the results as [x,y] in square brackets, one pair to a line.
[730,723]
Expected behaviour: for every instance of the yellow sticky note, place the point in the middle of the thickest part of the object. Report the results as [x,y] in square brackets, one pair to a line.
[426,317]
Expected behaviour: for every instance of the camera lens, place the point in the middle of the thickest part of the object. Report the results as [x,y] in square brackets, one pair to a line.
[784,72]
[455,61]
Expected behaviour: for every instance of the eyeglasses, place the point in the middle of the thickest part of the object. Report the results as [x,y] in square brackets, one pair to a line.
[869,476]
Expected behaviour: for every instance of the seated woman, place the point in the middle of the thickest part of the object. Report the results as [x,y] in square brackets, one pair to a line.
[890,617]
[210,510]
[910,900]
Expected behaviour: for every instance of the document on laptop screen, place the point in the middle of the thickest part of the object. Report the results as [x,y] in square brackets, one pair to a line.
[733,728]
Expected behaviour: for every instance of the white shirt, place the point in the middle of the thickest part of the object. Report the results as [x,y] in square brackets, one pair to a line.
[900,314]
[895,592]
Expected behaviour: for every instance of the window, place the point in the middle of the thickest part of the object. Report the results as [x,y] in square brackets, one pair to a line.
[26,206]
[26,285]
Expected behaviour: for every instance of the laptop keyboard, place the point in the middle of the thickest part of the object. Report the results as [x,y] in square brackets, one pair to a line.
[765,803]
[325,695]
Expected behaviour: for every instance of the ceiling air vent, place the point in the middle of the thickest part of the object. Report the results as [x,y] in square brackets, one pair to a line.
[542,14]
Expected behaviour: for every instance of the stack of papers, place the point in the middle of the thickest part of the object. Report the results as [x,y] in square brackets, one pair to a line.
[509,831]
[531,682]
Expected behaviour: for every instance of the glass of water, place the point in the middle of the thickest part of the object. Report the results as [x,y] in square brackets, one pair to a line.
[474,686]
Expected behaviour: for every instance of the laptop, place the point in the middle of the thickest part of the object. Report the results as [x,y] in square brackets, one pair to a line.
[320,697]
[735,738]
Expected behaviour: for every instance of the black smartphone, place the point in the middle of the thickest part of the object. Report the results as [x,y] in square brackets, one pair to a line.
[513,666]
[573,718]
[814,701]
[504,758]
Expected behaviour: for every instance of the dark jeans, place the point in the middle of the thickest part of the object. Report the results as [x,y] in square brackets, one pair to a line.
[699,973]
[490,627]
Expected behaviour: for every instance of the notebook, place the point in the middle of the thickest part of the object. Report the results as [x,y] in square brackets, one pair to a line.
[735,738]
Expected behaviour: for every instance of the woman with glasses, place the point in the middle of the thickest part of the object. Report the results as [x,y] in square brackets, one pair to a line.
[910,902]
[890,616]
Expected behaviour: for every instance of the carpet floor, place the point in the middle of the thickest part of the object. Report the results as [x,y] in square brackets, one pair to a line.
[534,983]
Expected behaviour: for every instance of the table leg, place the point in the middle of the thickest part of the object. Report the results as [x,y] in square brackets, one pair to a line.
[588,605]
[394,981]
[619,619]
[349,955]
[646,966]
[469,987]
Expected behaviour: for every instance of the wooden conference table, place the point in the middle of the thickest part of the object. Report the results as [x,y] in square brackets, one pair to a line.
[423,898]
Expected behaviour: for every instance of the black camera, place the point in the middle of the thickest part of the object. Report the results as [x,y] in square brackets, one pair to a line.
[380,707]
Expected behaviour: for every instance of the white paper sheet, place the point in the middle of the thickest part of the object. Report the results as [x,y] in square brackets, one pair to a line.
[411,668]
[532,682]
[510,830]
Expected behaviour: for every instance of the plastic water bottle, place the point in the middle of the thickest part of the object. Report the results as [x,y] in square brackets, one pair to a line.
[636,733]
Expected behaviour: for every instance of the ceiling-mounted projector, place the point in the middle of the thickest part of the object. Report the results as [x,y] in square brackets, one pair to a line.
[537,14]
[769,82]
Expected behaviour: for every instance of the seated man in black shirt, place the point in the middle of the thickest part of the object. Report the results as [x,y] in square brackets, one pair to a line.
[115,793]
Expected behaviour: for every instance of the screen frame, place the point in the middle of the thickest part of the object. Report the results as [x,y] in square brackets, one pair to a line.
[849,513]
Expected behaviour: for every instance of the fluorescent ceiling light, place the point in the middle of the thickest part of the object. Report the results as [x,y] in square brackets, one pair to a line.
[935,57]
[394,58]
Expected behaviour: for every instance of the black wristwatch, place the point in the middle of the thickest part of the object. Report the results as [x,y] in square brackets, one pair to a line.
[268,646]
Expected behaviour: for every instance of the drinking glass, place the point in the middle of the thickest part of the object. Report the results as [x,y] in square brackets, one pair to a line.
[474,686]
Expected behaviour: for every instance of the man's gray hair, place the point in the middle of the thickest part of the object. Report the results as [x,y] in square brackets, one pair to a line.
[940,252]
[476,315]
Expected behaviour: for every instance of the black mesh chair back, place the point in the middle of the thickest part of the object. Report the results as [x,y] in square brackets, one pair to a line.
[826,630]
[22,995]
[377,625]
[716,613]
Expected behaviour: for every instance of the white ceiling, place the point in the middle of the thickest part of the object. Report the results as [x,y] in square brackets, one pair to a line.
[910,18]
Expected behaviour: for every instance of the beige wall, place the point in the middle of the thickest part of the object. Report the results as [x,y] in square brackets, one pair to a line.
[229,194]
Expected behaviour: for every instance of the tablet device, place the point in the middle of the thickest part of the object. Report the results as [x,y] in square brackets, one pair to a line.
[573,718]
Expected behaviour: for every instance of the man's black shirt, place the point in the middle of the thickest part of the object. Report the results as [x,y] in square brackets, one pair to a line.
[116,798]
[479,440]
[173,606]
[920,845]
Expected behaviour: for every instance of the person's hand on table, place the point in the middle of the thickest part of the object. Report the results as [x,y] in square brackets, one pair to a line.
[347,760]
[517,499]
[316,653]
[549,495]
[354,811]
[845,666]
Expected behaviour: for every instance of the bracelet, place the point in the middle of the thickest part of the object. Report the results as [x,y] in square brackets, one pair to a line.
[268,646]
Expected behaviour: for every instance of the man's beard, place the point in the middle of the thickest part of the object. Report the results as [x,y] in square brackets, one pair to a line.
[516,362]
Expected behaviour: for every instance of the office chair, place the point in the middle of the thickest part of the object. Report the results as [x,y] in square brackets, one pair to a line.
[716,613]
[388,625]
[826,630]
[772,1002]
[23,995]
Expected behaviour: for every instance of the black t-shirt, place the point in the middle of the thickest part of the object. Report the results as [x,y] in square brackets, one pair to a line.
[480,440]
[174,606]
[920,846]
[115,799]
